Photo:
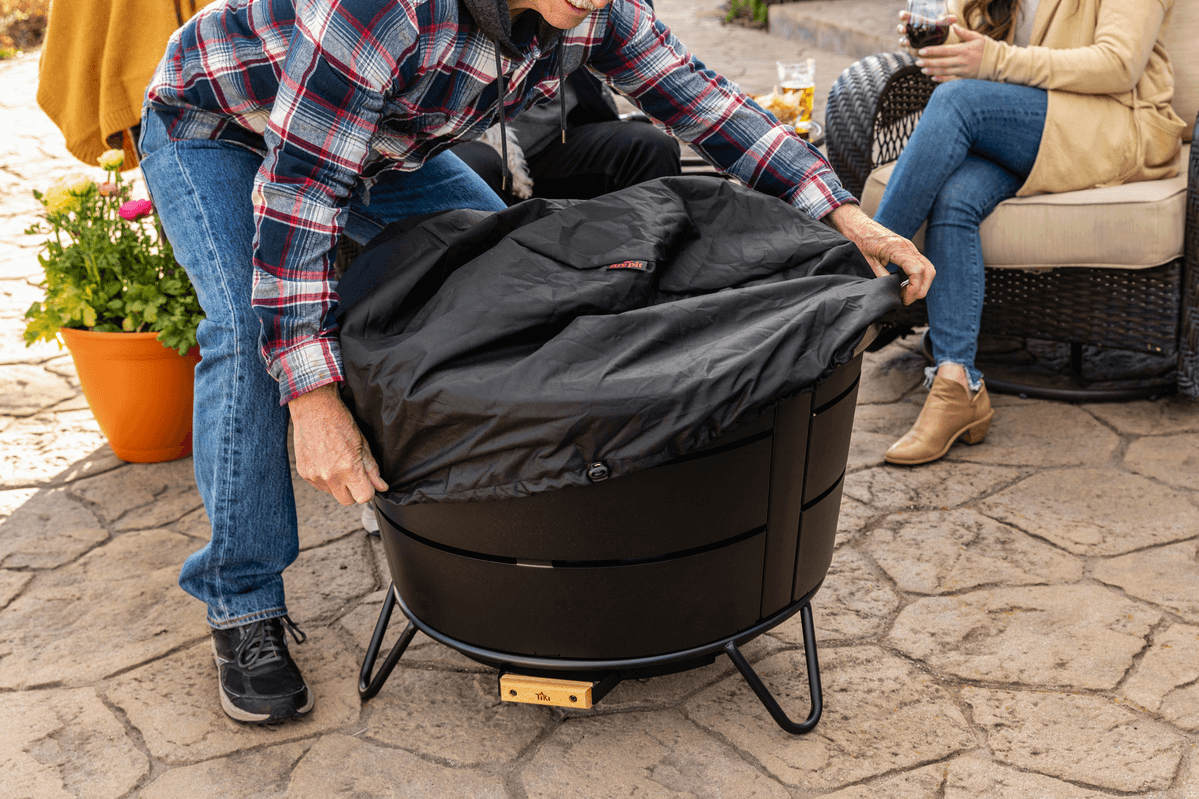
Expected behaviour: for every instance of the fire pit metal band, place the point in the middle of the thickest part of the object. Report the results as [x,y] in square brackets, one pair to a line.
[369,684]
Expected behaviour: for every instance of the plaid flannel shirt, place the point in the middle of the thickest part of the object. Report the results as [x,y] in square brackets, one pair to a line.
[332,92]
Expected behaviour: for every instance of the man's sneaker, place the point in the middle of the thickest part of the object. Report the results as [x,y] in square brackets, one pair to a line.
[260,683]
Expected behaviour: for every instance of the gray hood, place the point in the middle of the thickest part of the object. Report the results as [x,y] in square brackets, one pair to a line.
[493,18]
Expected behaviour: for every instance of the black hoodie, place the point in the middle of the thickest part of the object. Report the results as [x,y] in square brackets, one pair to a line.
[495,20]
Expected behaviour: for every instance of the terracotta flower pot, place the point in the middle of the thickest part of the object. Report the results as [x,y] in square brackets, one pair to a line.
[139,391]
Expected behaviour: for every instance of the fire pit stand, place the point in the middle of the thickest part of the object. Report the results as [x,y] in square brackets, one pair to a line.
[603,675]
[569,592]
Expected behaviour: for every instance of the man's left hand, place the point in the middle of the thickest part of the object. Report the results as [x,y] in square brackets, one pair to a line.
[882,247]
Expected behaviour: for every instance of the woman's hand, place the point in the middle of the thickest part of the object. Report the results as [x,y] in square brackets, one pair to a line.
[945,62]
[331,453]
[882,247]
[902,27]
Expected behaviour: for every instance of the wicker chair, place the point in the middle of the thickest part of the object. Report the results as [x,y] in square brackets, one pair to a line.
[1144,300]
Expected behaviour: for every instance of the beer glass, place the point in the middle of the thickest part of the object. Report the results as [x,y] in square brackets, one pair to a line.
[799,77]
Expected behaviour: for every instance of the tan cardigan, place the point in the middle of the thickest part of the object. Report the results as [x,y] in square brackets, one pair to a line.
[1110,83]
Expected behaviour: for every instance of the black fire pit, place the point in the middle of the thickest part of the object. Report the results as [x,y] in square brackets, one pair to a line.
[651,573]
[614,432]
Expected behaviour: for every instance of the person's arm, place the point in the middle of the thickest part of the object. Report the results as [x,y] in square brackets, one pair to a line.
[641,59]
[327,108]
[1125,34]
[318,138]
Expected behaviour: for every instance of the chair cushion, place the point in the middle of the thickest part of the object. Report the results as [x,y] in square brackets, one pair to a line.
[1181,37]
[1135,226]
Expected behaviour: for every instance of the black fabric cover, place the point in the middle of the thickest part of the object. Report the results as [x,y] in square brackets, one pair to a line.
[490,356]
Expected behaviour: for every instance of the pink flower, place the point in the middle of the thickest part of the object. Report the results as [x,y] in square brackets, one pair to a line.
[108,189]
[135,209]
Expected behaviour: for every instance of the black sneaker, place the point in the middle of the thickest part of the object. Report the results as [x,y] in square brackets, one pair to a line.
[260,683]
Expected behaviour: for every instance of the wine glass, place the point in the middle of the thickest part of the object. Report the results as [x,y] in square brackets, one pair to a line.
[927,25]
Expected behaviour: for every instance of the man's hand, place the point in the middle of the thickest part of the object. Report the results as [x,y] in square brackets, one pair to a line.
[331,453]
[882,247]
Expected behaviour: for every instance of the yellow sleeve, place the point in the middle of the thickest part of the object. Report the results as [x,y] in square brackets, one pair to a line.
[97,59]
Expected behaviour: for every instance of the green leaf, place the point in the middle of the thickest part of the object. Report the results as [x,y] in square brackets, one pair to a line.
[41,327]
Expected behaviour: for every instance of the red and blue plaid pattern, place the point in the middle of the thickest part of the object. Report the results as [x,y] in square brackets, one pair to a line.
[333,92]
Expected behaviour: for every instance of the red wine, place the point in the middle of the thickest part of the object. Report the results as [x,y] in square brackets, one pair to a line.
[926,35]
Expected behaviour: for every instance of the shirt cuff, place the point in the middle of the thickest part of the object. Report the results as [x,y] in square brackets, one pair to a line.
[818,198]
[307,366]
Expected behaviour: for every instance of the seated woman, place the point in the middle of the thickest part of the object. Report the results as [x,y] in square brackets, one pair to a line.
[1036,96]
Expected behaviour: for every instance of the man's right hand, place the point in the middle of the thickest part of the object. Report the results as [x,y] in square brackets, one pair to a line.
[331,453]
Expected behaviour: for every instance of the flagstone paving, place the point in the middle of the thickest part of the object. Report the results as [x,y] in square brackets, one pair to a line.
[1018,620]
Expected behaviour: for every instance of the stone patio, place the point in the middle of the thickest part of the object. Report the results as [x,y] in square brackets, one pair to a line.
[1019,620]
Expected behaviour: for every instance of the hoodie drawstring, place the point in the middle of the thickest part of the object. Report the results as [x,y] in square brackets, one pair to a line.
[499,69]
[502,85]
[562,93]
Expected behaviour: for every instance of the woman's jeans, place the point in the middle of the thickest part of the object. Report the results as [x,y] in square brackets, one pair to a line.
[202,192]
[973,149]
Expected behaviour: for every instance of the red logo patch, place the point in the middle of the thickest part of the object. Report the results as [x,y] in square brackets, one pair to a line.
[630,265]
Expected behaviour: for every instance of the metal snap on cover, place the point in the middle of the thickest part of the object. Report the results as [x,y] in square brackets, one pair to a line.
[597,472]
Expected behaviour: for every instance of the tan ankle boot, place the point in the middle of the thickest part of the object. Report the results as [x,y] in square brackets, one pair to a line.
[949,412]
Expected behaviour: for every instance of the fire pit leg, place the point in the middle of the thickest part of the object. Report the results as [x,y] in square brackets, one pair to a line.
[368,686]
[764,695]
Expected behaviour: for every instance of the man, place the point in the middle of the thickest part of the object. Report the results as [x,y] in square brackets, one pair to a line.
[274,127]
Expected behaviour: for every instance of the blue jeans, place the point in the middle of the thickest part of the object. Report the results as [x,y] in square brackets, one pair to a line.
[973,149]
[202,192]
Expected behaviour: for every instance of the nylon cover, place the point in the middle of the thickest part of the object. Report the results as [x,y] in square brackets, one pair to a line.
[491,356]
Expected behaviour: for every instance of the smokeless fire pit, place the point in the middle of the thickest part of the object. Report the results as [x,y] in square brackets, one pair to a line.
[569,592]
[614,432]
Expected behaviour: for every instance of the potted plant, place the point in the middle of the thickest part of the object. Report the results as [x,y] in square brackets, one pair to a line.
[124,308]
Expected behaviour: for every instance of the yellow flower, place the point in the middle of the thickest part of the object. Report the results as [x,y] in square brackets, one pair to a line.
[59,199]
[77,184]
[63,196]
[112,160]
